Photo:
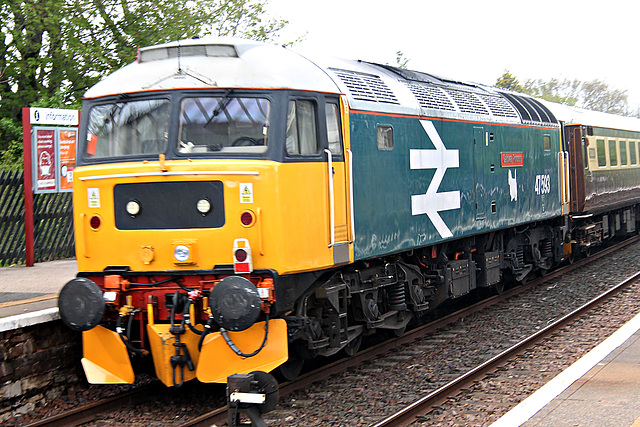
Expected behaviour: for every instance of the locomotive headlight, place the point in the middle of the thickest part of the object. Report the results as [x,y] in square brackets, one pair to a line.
[181,253]
[133,207]
[203,206]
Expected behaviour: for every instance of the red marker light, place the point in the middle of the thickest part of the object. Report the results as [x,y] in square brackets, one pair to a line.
[241,255]
[95,222]
[246,218]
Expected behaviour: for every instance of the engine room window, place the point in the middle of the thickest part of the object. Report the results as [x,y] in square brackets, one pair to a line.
[613,153]
[224,124]
[128,128]
[301,136]
[602,155]
[632,153]
[333,128]
[385,137]
[623,153]
[546,142]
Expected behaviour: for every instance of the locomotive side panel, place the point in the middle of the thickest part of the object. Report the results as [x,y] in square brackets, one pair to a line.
[442,179]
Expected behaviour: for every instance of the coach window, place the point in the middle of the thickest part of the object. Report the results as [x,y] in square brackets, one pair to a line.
[333,128]
[301,136]
[623,153]
[632,153]
[613,153]
[385,137]
[602,155]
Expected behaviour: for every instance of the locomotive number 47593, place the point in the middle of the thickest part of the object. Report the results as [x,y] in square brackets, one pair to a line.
[543,184]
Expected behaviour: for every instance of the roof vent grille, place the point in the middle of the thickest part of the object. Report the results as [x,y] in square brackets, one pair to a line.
[467,102]
[499,106]
[366,87]
[431,97]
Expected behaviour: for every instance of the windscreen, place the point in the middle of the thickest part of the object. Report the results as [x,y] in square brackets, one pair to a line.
[223,124]
[128,128]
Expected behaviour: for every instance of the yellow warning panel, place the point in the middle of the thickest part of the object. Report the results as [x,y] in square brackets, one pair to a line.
[218,361]
[162,348]
[105,357]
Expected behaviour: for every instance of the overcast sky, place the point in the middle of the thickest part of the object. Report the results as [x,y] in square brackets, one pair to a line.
[478,40]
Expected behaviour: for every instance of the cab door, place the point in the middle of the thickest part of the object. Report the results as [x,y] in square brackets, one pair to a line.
[338,180]
[478,171]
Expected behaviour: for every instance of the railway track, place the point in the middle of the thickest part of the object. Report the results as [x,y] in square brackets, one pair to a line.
[219,415]
[408,414]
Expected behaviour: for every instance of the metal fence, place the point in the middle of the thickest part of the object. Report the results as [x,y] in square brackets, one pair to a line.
[53,222]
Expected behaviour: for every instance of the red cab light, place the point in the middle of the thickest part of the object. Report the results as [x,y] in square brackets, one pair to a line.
[241,255]
[247,219]
[95,222]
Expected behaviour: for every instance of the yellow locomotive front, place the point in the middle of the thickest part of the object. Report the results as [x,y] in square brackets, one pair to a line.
[208,173]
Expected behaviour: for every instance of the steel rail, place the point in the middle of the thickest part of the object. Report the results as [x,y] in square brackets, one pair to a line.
[90,411]
[219,415]
[424,405]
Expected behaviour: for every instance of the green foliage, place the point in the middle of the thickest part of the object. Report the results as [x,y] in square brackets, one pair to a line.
[593,95]
[401,61]
[508,81]
[54,50]
[10,157]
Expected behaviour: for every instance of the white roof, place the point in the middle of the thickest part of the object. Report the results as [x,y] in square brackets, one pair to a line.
[215,62]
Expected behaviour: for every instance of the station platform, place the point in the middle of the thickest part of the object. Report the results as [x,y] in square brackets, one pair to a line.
[600,389]
[29,295]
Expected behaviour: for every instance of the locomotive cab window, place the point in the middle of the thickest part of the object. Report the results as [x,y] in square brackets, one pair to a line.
[127,129]
[334,137]
[546,142]
[301,137]
[224,124]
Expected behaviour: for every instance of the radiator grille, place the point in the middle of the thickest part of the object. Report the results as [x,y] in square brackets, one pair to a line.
[366,87]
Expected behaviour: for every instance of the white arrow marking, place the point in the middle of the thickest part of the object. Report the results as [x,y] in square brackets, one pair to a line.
[439,159]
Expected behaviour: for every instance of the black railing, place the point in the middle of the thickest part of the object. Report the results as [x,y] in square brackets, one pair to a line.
[53,222]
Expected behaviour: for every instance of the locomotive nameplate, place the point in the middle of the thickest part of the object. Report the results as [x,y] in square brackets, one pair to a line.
[511,159]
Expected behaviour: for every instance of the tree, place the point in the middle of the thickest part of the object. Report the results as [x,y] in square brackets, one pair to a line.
[402,62]
[53,50]
[508,81]
[563,92]
[593,95]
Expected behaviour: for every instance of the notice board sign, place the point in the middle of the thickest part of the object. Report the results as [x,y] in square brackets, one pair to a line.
[54,158]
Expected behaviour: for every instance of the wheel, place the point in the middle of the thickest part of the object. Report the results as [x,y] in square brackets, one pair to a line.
[399,332]
[292,367]
[353,346]
[244,141]
[498,288]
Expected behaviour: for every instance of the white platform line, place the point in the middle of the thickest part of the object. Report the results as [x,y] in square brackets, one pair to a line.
[28,319]
[538,400]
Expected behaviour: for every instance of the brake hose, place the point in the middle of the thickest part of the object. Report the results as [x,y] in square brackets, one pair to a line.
[235,348]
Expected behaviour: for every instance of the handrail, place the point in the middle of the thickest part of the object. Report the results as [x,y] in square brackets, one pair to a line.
[567,181]
[332,219]
[352,231]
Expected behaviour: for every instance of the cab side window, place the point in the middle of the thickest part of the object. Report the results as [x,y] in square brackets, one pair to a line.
[301,136]
[332,113]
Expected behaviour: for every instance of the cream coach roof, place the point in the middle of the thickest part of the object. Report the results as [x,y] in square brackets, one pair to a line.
[575,115]
[215,62]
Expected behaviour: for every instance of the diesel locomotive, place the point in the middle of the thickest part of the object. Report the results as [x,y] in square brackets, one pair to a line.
[240,207]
